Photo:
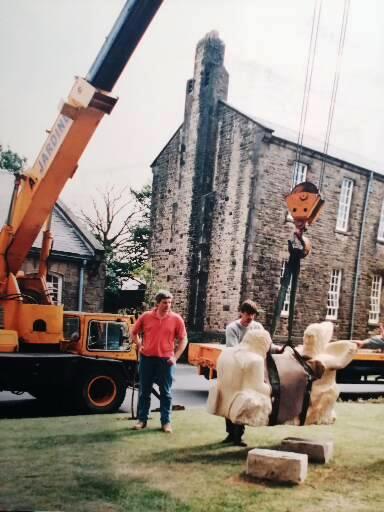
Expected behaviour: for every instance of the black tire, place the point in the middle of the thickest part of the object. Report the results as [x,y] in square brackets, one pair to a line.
[101,391]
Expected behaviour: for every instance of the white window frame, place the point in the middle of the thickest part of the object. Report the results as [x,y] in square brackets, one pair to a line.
[55,287]
[104,343]
[299,173]
[380,231]
[284,313]
[344,205]
[333,299]
[374,310]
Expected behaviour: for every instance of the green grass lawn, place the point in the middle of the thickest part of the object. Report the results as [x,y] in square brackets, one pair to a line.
[96,463]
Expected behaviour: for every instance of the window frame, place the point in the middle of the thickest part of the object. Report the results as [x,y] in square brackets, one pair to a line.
[127,346]
[53,291]
[375,299]
[299,169]
[75,328]
[284,313]
[336,295]
[344,208]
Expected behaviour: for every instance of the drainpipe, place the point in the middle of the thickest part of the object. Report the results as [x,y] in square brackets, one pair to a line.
[358,258]
[81,285]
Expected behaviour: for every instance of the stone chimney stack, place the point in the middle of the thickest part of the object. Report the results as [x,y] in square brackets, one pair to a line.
[198,145]
[210,78]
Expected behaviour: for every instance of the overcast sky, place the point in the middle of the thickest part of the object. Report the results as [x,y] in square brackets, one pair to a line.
[45,43]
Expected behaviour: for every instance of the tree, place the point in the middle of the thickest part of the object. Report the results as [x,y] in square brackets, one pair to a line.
[146,274]
[121,223]
[11,161]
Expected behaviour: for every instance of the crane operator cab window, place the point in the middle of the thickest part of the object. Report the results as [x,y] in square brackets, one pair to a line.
[108,336]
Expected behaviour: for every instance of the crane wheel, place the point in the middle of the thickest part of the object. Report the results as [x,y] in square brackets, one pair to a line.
[102,391]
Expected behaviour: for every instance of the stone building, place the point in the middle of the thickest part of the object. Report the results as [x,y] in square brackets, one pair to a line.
[76,275]
[220,224]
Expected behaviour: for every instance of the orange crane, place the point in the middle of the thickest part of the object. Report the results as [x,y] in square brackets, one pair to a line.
[86,358]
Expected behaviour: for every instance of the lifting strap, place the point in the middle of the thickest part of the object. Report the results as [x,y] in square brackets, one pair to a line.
[290,378]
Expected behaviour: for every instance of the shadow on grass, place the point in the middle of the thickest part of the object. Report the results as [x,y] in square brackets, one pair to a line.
[212,453]
[377,466]
[29,407]
[264,482]
[103,436]
[130,494]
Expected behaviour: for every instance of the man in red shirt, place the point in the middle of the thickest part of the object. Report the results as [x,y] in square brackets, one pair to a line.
[163,340]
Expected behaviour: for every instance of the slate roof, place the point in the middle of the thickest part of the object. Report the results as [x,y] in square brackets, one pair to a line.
[71,238]
[311,143]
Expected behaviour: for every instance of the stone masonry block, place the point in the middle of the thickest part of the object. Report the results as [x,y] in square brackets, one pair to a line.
[317,451]
[277,466]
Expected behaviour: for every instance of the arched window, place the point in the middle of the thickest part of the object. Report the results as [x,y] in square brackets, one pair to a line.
[55,287]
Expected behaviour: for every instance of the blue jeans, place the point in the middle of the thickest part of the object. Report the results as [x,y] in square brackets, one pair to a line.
[155,370]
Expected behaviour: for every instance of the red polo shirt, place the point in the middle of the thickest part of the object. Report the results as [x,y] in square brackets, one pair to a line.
[159,333]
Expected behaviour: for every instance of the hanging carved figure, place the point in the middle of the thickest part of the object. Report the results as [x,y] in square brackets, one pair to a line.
[297,386]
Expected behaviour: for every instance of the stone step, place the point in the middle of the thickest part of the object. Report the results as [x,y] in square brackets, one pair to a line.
[317,451]
[277,465]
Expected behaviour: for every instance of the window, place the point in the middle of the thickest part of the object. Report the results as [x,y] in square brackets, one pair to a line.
[190,86]
[55,287]
[333,295]
[299,173]
[285,308]
[380,233]
[344,205]
[174,220]
[104,335]
[71,328]
[374,311]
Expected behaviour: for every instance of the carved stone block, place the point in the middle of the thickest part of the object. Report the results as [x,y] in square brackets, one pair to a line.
[317,451]
[277,466]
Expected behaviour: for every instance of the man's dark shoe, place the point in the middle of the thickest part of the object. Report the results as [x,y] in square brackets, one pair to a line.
[240,442]
[140,425]
[227,440]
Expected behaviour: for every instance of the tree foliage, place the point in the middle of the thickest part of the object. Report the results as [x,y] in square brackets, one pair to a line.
[121,223]
[11,161]
[146,274]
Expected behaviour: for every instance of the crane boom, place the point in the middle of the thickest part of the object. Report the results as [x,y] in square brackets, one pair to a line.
[88,101]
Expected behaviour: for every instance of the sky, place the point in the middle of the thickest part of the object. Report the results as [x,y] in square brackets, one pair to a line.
[46,43]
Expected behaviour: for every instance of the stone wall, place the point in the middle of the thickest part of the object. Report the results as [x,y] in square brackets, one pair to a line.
[331,250]
[170,222]
[94,279]
[235,161]
[372,259]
